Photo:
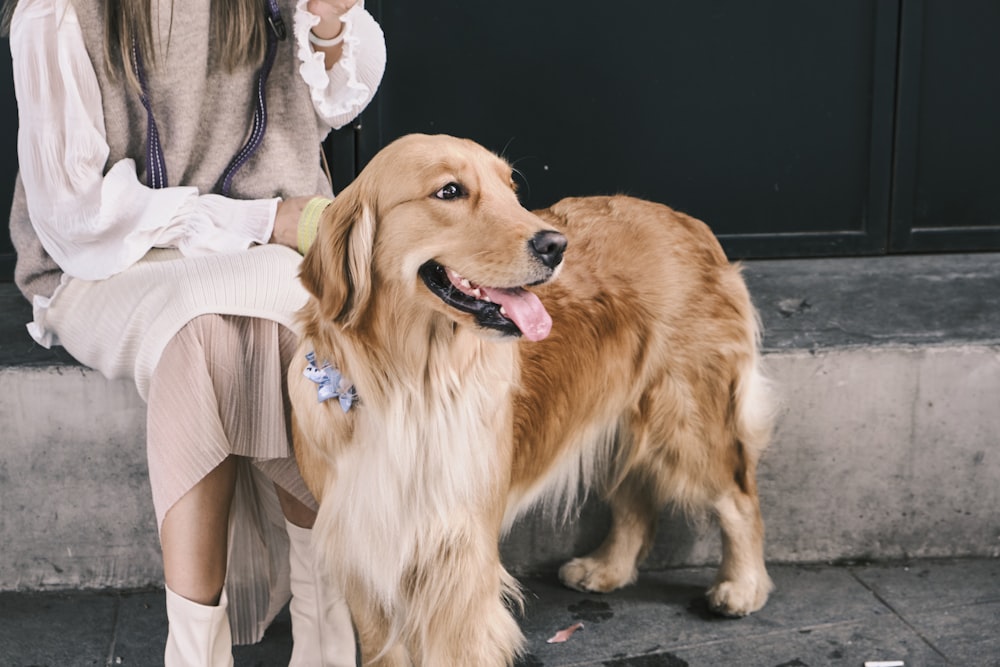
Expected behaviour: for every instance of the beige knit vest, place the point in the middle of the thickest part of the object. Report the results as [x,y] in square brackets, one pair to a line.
[203,115]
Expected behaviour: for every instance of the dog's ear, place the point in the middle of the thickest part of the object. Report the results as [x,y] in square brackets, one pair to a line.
[337,268]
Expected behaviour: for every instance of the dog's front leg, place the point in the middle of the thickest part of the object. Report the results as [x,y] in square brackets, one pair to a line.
[374,630]
[458,609]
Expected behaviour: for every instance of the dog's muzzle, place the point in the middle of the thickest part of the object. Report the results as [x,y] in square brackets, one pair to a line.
[512,311]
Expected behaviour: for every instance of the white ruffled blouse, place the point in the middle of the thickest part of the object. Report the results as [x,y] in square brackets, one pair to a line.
[96,224]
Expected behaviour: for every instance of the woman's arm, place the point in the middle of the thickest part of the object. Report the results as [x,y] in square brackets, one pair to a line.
[343,91]
[95,224]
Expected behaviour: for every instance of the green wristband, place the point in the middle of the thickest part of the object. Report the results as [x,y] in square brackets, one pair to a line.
[309,222]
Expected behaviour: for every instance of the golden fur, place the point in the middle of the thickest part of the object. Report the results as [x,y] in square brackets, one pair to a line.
[647,388]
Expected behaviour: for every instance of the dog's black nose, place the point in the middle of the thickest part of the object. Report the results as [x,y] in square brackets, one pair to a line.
[549,247]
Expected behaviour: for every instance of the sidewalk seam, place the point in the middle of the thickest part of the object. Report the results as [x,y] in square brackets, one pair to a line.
[110,661]
[853,572]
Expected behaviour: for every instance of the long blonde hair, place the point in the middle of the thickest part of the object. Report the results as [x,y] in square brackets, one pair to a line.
[239,27]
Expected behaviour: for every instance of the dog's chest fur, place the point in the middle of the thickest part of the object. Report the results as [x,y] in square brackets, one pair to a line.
[427,462]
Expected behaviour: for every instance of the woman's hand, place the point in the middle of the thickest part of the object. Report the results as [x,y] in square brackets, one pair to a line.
[329,13]
[329,26]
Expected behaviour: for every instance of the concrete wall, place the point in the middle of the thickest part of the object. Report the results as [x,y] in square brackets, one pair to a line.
[75,504]
[880,452]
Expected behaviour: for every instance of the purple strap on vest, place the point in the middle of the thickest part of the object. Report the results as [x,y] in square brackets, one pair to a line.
[155,164]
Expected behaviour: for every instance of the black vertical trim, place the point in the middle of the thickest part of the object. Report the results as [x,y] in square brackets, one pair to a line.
[885,64]
[341,149]
[906,154]
[8,147]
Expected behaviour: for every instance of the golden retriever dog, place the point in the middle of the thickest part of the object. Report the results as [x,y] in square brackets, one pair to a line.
[503,358]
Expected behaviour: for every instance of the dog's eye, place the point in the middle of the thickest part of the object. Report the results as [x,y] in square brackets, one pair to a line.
[450,191]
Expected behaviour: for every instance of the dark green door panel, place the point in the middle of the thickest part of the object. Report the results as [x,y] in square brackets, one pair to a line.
[771,120]
[947,188]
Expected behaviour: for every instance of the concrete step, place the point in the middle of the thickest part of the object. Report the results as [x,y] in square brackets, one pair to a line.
[887,446]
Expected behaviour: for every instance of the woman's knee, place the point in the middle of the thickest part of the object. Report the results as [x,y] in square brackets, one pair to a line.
[295,511]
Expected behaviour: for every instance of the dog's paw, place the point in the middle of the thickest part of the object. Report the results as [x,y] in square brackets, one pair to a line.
[739,598]
[594,576]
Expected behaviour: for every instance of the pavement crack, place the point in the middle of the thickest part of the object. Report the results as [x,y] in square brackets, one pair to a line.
[112,648]
[885,603]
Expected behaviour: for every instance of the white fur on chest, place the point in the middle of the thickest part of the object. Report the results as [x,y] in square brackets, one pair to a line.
[426,460]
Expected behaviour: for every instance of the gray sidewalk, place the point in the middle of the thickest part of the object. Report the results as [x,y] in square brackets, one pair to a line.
[925,612]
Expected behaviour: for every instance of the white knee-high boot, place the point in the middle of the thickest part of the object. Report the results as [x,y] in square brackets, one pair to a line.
[322,632]
[197,635]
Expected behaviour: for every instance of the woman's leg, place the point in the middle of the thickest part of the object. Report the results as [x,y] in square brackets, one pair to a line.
[194,535]
[191,470]
[296,512]
[212,401]
[322,631]
[194,481]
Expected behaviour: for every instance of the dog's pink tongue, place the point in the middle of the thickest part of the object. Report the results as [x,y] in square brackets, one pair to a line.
[524,309]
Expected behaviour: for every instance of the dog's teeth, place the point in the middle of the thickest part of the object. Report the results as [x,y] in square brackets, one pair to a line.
[503,311]
[465,283]
[477,293]
[487,299]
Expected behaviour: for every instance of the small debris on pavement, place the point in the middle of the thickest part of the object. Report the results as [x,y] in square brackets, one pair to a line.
[789,307]
[563,635]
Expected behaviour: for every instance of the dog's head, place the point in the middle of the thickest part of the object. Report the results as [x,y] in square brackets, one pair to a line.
[437,220]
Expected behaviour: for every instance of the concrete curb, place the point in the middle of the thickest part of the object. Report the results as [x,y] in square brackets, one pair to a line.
[887,446]
[880,453]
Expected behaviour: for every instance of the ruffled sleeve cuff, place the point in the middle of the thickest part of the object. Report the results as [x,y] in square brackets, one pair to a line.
[342,92]
[217,224]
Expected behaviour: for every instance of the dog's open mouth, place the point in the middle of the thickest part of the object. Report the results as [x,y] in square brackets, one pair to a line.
[513,311]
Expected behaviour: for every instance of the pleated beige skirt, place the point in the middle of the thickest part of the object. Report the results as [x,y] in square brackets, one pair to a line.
[207,341]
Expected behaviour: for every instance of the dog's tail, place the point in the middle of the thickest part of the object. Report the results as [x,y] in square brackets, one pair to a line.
[754,406]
